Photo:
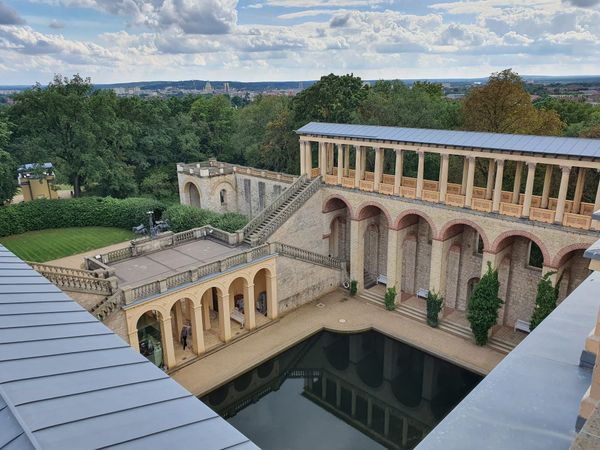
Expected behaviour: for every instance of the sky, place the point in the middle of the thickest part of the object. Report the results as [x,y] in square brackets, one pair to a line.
[280,40]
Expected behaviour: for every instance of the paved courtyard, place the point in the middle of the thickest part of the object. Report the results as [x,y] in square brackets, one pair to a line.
[169,261]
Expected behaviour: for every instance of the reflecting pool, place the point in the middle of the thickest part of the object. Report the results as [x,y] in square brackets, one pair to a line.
[343,391]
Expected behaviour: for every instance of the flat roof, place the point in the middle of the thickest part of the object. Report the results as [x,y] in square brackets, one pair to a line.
[531,398]
[549,145]
[163,263]
[68,382]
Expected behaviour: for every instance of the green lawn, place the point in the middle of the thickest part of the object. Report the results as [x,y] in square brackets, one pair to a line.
[45,245]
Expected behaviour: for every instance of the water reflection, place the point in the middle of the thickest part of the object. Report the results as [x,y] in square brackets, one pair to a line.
[343,391]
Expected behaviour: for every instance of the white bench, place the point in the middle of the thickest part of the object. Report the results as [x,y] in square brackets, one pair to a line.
[237,316]
[382,279]
[522,325]
[423,293]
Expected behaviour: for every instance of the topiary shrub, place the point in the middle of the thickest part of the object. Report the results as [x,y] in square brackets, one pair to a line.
[353,287]
[545,300]
[434,306]
[483,305]
[390,299]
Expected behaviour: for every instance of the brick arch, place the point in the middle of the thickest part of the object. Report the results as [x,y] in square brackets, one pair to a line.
[377,205]
[450,224]
[561,256]
[339,197]
[416,212]
[526,234]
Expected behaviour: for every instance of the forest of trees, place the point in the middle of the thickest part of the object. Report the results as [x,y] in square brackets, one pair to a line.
[104,145]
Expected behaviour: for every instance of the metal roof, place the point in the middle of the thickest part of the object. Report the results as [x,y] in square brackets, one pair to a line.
[551,145]
[68,382]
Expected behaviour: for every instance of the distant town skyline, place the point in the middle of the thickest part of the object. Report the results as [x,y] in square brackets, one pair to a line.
[115,41]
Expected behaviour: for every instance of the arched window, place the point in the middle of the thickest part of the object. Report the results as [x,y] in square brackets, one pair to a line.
[223,196]
[536,258]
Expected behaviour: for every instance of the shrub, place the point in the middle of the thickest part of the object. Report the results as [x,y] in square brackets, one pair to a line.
[390,299]
[434,306]
[77,212]
[545,300]
[483,306]
[353,287]
[183,217]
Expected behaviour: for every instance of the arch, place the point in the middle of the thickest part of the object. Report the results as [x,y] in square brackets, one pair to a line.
[158,308]
[217,187]
[360,211]
[562,256]
[496,246]
[412,211]
[196,301]
[471,286]
[338,240]
[192,194]
[449,225]
[150,337]
[329,204]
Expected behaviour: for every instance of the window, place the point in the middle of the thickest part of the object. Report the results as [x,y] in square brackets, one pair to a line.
[478,244]
[223,196]
[261,195]
[536,258]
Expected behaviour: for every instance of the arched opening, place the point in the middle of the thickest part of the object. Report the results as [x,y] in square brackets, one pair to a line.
[375,224]
[571,269]
[339,227]
[193,195]
[150,337]
[243,309]
[214,315]
[471,286]
[265,296]
[181,325]
[416,252]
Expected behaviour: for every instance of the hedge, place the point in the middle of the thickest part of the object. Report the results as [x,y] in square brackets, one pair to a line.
[76,212]
[182,217]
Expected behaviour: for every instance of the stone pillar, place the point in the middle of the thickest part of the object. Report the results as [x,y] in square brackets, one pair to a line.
[302,158]
[363,162]
[470,181]
[323,158]
[224,318]
[166,331]
[463,184]
[528,188]
[330,157]
[378,169]
[437,275]
[249,307]
[346,160]
[488,257]
[358,166]
[272,301]
[489,187]
[134,340]
[340,166]
[197,329]
[420,172]
[596,223]
[562,194]
[581,171]
[443,185]
[308,159]
[206,297]
[178,320]
[394,259]
[517,183]
[498,185]
[357,253]
[398,172]
[453,277]
[547,183]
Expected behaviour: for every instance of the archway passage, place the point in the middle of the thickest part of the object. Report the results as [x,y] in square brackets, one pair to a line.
[150,337]
[572,268]
[375,224]
[187,329]
[416,245]
[193,195]
[339,227]
[265,294]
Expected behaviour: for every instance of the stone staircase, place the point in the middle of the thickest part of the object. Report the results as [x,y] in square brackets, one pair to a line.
[274,215]
[450,327]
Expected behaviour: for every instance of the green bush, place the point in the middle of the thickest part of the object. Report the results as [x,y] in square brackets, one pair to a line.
[183,217]
[76,212]
[434,306]
[353,287]
[483,306]
[545,300]
[390,299]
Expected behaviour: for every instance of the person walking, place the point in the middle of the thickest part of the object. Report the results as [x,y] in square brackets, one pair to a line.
[184,336]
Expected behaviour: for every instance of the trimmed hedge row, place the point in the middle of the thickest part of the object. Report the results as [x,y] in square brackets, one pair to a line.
[76,212]
[182,217]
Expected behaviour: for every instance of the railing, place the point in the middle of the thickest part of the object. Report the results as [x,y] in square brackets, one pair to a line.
[542,215]
[511,209]
[273,206]
[307,256]
[577,221]
[387,189]
[100,286]
[46,269]
[408,192]
[331,179]
[103,309]
[366,185]
[430,196]
[455,200]
[214,168]
[481,204]
[315,172]
[348,182]
[117,255]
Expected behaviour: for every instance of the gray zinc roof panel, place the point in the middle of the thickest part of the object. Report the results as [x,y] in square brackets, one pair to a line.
[567,146]
[67,382]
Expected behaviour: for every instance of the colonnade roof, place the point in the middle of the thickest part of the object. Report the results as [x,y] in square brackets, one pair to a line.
[546,145]
[68,382]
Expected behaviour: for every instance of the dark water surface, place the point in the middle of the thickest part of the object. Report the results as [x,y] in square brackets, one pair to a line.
[343,391]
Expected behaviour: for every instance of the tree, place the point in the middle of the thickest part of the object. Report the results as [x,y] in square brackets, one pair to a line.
[504,106]
[483,305]
[8,167]
[545,300]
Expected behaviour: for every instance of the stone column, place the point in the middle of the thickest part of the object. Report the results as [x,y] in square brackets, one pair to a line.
[346,160]
[302,157]
[437,276]
[378,169]
[206,298]
[498,185]
[444,162]
[197,329]
[272,301]
[517,183]
[309,159]
[488,257]
[134,340]
[330,157]
[562,194]
[178,320]
[398,172]
[463,184]
[249,307]
[340,166]
[581,171]
[357,253]
[363,162]
[489,188]
[224,318]
[323,158]
[470,181]
[420,172]
[547,183]
[358,166]
[596,223]
[168,346]
[528,188]
[392,258]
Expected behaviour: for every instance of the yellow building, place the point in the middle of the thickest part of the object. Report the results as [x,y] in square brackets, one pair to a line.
[37,181]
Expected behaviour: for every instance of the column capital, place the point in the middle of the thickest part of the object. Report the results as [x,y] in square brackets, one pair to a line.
[399,152]
[531,164]
[470,158]
[421,152]
[446,156]
[500,162]
[565,169]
